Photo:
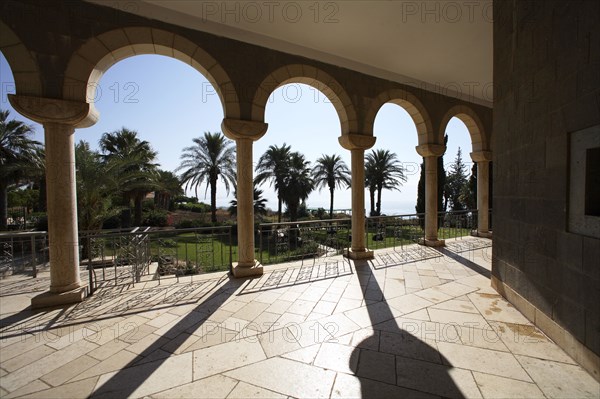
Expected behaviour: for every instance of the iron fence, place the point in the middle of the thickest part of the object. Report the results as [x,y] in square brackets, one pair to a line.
[129,257]
[394,231]
[23,252]
[307,241]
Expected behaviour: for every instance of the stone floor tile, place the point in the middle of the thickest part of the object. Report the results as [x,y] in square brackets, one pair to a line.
[33,371]
[143,344]
[27,358]
[338,324]
[332,296]
[287,377]
[346,304]
[279,307]
[231,355]
[349,386]
[146,379]
[559,380]
[337,357]
[302,307]
[268,297]
[324,307]
[408,303]
[107,350]
[113,363]
[494,307]
[371,314]
[34,386]
[458,318]
[457,305]
[305,355]
[244,390]
[69,370]
[78,389]
[288,319]
[418,315]
[455,289]
[365,338]
[217,386]
[432,295]
[529,341]
[376,366]
[251,311]
[233,305]
[486,338]
[492,386]
[277,342]
[493,362]
[449,382]
[22,343]
[407,345]
[162,320]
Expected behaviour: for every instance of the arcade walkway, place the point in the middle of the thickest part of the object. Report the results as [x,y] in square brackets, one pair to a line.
[390,327]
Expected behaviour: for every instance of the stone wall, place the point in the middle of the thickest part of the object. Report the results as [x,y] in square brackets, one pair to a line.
[547,88]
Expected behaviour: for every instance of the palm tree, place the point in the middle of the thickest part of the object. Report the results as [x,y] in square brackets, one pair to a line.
[211,156]
[18,154]
[169,186]
[138,171]
[382,171]
[272,166]
[297,184]
[260,203]
[331,171]
[96,184]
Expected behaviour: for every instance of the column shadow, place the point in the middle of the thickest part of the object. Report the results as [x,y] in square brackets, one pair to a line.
[125,382]
[419,368]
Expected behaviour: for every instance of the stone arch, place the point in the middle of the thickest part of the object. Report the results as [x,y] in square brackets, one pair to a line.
[411,104]
[309,75]
[22,63]
[479,139]
[90,61]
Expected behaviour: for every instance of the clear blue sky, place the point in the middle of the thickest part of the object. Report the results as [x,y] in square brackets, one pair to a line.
[168,103]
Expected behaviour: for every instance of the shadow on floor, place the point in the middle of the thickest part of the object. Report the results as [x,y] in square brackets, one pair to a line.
[392,362]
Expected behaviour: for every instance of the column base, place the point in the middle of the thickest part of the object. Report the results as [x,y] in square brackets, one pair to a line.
[247,271]
[482,234]
[51,299]
[432,243]
[359,255]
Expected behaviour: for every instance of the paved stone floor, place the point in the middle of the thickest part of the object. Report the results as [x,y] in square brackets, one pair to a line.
[392,327]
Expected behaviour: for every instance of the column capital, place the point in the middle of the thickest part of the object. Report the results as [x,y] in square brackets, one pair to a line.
[356,141]
[431,150]
[481,156]
[51,110]
[235,129]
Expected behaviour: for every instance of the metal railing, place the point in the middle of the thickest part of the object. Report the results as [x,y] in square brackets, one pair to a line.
[456,224]
[306,241]
[394,231]
[23,252]
[114,258]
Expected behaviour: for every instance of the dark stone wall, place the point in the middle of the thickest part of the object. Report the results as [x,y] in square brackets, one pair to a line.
[547,85]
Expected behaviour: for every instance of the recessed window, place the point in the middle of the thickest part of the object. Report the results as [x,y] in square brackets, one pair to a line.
[592,182]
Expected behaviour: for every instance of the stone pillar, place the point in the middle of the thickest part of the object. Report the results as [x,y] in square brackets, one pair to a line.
[483,158]
[244,133]
[357,144]
[431,152]
[59,118]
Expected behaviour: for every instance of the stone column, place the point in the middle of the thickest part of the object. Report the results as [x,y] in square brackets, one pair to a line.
[59,118]
[357,144]
[244,133]
[431,152]
[483,158]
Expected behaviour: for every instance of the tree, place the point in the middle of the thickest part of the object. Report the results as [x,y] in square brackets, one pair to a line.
[260,203]
[96,184]
[168,188]
[469,192]
[382,171]
[18,156]
[297,184]
[273,166]
[456,181]
[211,156]
[137,172]
[331,171]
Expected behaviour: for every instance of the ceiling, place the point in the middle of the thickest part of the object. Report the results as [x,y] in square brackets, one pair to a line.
[444,46]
